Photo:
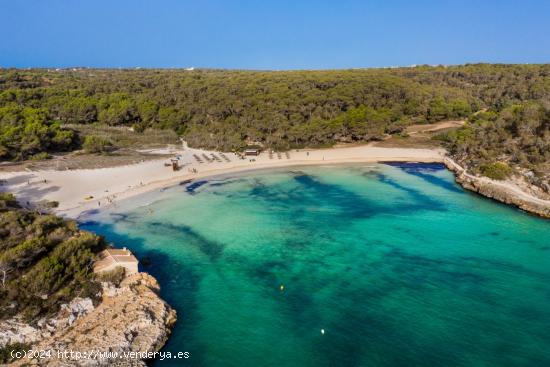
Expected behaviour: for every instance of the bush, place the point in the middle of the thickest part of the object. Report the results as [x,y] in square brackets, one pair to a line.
[96,144]
[7,200]
[114,276]
[139,127]
[444,137]
[40,156]
[496,171]
[51,204]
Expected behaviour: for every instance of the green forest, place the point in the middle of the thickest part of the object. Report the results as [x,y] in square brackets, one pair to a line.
[226,109]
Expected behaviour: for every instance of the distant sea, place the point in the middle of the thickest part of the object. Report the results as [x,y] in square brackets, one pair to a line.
[395,263]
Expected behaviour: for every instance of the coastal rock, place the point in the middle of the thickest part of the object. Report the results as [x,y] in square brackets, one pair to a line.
[131,319]
[16,331]
[74,310]
[513,193]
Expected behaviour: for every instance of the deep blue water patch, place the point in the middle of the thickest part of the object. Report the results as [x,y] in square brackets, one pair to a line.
[414,166]
[425,170]
[192,188]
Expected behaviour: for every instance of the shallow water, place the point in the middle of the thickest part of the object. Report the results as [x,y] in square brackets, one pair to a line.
[396,263]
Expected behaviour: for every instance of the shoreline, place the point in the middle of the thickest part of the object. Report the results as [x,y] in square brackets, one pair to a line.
[105,185]
[164,184]
[108,185]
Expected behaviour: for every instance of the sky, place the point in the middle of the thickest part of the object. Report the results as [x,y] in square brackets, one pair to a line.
[272,34]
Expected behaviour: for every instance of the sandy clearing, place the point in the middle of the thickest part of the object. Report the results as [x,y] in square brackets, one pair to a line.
[430,128]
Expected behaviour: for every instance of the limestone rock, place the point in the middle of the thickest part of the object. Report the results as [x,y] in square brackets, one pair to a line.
[130,318]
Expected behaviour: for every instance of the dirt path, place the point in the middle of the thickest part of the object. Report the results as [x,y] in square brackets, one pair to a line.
[430,128]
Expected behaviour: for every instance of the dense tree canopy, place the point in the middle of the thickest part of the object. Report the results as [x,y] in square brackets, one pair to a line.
[225,109]
[26,132]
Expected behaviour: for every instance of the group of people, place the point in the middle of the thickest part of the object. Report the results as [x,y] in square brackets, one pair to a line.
[110,199]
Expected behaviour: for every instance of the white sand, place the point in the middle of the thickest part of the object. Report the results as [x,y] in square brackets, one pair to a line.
[70,188]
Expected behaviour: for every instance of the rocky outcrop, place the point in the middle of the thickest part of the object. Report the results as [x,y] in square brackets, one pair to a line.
[130,318]
[505,192]
[17,331]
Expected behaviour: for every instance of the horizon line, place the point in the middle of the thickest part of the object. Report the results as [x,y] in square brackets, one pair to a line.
[200,68]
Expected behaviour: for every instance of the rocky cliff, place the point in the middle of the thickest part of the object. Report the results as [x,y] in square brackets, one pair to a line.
[131,317]
[526,198]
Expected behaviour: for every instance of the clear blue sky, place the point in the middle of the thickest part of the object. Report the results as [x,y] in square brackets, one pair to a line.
[272,34]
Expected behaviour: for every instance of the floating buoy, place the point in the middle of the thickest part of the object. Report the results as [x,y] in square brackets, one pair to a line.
[322,331]
[282,287]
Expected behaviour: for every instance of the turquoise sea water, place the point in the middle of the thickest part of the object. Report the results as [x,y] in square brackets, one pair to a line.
[398,265]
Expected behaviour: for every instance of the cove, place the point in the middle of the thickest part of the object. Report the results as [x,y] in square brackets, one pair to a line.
[395,262]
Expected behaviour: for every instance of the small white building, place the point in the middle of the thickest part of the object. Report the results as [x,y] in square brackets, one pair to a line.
[111,258]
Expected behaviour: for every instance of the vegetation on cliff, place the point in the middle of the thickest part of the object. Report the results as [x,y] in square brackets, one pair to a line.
[494,142]
[44,261]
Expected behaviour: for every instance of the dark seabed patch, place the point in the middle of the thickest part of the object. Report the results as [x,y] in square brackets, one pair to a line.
[193,187]
[425,170]
[412,166]
[188,237]
[420,200]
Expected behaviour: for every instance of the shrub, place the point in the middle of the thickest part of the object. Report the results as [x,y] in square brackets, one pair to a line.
[139,127]
[40,156]
[114,276]
[51,204]
[96,144]
[496,171]
[444,137]
[7,201]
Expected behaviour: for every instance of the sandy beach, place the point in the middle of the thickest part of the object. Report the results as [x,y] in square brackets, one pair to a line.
[84,189]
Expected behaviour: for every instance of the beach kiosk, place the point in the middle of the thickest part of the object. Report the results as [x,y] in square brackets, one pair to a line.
[175,165]
[252,152]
